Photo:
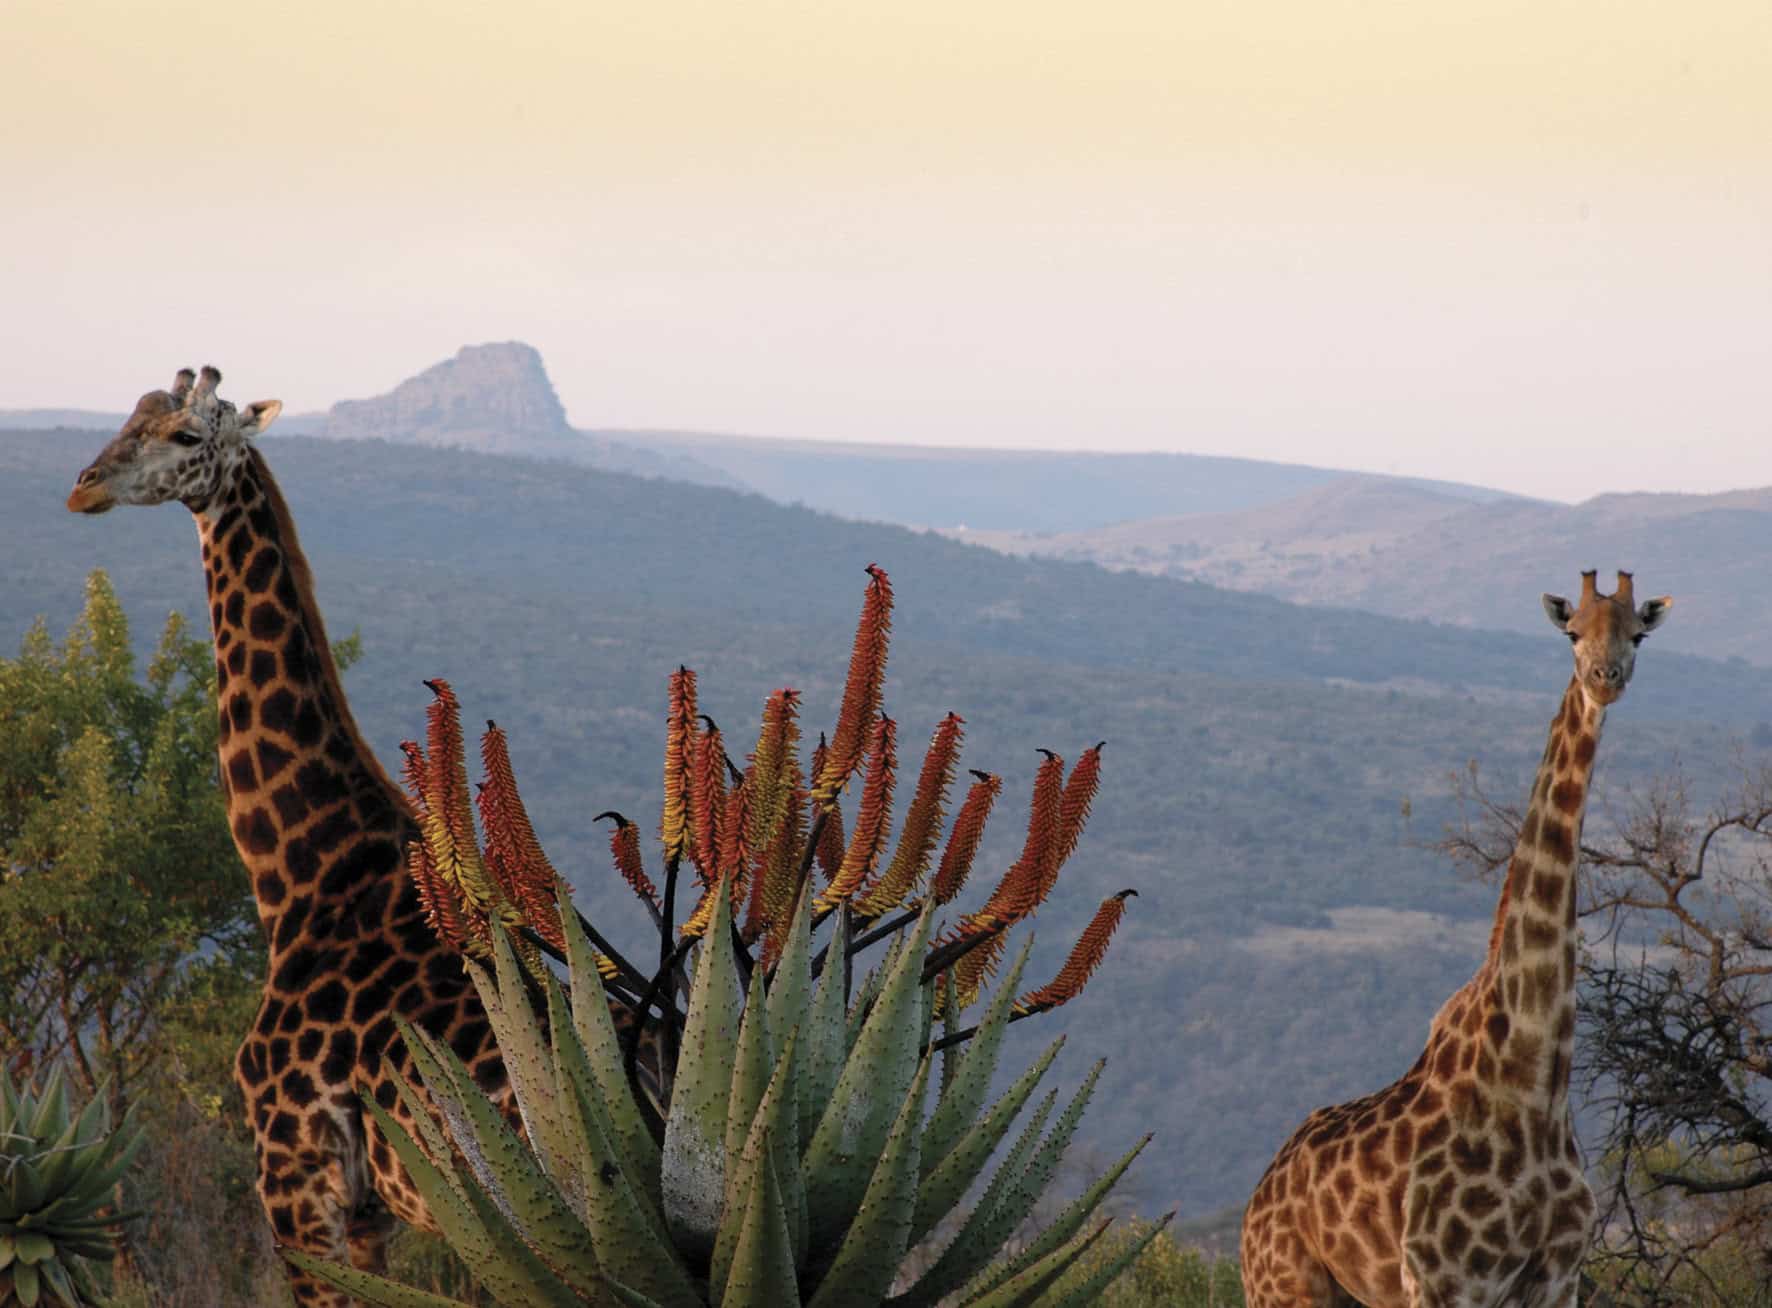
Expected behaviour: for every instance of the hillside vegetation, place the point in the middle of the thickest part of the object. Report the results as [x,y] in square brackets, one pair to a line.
[1268,769]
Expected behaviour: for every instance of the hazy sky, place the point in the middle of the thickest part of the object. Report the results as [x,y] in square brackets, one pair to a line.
[1526,244]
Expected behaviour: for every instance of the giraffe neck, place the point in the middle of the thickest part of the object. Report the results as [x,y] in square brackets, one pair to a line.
[1532,945]
[316,820]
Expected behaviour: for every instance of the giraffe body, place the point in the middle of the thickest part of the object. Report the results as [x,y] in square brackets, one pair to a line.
[1460,1185]
[322,832]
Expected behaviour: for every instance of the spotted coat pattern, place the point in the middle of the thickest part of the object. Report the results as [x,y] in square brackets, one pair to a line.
[1460,1185]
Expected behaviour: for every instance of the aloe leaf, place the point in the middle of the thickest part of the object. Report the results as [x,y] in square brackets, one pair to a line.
[1068,1222]
[446,1198]
[1014,1190]
[528,1062]
[951,1051]
[878,1237]
[822,1046]
[1087,1292]
[869,1092]
[630,1239]
[990,1223]
[430,1136]
[790,989]
[774,1126]
[595,1030]
[589,1114]
[751,1067]
[954,1174]
[525,1195]
[694,1159]
[367,1286]
[1023,1289]
[953,1116]
[762,1273]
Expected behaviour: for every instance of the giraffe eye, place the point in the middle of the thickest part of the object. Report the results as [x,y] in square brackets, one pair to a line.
[186,437]
[1572,637]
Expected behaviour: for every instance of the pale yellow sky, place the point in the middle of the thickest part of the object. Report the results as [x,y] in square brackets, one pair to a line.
[1524,244]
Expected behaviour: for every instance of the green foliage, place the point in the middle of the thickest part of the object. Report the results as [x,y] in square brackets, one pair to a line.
[1164,1273]
[116,864]
[57,1173]
[568,1214]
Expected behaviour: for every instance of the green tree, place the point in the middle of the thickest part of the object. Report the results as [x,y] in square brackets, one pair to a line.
[119,885]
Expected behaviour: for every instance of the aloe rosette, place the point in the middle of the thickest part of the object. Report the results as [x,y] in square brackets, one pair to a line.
[804,1156]
[58,1173]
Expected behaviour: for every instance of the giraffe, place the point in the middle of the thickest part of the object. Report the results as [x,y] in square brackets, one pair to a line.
[322,831]
[1460,1185]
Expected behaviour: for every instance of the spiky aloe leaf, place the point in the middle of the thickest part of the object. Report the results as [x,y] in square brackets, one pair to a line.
[522,1190]
[753,1063]
[527,1061]
[1028,1285]
[446,1197]
[774,1127]
[963,1094]
[869,1092]
[878,1237]
[951,1052]
[694,1159]
[762,1274]
[954,1174]
[1089,1290]
[1015,1190]
[631,1242]
[367,1286]
[1065,1225]
[790,990]
[595,1030]
[822,1044]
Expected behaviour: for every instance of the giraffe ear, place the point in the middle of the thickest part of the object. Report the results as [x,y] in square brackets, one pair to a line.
[1653,611]
[259,415]
[1558,610]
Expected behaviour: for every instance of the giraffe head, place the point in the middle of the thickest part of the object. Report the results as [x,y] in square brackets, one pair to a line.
[177,445]
[1605,631]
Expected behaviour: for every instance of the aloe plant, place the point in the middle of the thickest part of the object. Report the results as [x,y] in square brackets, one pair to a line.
[741,1205]
[788,1147]
[57,1172]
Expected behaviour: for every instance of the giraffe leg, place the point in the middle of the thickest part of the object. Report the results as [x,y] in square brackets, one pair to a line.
[305,1193]
[366,1236]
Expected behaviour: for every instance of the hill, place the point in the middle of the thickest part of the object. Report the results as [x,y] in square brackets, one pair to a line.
[1409,551]
[1003,490]
[1270,775]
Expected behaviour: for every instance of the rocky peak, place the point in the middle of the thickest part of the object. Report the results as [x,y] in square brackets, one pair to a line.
[489,397]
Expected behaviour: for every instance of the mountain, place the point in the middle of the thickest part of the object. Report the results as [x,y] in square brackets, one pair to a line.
[497,399]
[1408,551]
[1003,490]
[1272,778]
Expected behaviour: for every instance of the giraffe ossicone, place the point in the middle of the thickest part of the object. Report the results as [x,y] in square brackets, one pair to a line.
[1460,1185]
[322,831]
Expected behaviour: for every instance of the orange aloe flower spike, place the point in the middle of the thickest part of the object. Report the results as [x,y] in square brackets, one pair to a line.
[964,836]
[1022,887]
[519,862]
[862,689]
[448,814]
[1091,948]
[774,770]
[707,798]
[922,822]
[679,729]
[624,848]
[873,818]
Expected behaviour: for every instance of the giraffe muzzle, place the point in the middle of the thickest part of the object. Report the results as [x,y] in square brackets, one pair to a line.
[90,494]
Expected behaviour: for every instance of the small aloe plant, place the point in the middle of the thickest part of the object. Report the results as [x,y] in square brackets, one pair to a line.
[790,1149]
[57,1172]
